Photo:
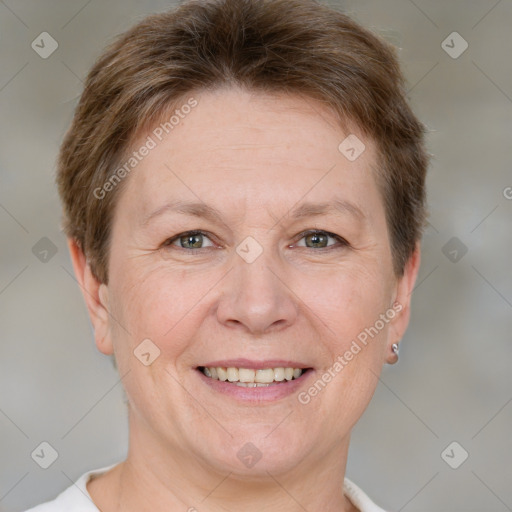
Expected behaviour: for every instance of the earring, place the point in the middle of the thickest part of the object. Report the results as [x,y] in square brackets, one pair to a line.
[395,349]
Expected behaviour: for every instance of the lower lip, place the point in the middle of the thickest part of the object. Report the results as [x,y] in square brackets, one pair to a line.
[258,394]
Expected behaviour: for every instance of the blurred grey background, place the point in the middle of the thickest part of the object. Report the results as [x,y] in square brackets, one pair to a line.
[454,380]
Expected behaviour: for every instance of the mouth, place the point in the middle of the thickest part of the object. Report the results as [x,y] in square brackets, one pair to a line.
[253,377]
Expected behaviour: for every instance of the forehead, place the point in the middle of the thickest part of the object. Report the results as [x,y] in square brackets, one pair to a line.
[252,150]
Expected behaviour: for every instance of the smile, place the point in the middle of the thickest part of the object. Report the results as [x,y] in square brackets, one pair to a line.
[251,378]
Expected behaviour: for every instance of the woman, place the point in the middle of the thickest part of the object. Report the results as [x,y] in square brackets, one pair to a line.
[243,191]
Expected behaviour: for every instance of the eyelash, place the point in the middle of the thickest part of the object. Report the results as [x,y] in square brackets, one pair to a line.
[342,243]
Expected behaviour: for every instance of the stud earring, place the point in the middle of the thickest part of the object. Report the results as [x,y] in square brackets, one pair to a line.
[395,349]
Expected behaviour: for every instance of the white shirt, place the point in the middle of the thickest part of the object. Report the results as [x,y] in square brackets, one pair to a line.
[76,498]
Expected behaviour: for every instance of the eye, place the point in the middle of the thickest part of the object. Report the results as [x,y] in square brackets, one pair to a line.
[190,240]
[317,239]
[313,239]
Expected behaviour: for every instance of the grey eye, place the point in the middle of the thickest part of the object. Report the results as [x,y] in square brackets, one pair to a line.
[316,239]
[191,241]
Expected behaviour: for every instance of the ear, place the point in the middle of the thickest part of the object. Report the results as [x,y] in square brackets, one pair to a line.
[96,298]
[402,302]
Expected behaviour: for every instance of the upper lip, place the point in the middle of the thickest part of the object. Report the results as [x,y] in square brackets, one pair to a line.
[255,365]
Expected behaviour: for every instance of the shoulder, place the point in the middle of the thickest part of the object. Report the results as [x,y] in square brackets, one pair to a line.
[70,500]
[75,498]
[359,499]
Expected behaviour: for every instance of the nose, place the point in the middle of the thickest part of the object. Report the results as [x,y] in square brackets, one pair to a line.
[256,297]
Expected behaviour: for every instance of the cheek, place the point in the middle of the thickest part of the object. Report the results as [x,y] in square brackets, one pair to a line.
[355,311]
[162,305]
[347,300]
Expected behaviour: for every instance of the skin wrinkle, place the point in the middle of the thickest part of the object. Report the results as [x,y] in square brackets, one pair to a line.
[200,209]
[312,311]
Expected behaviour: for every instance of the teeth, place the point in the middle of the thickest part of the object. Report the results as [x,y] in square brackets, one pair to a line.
[233,374]
[278,374]
[251,384]
[222,374]
[247,377]
[264,376]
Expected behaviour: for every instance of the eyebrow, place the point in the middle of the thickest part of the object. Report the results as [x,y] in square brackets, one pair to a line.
[202,210]
[335,206]
[195,209]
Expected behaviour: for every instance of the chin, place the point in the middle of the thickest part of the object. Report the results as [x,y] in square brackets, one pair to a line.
[254,452]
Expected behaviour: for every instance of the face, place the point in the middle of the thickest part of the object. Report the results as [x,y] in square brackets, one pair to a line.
[246,239]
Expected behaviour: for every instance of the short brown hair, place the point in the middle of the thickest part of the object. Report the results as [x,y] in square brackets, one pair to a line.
[288,46]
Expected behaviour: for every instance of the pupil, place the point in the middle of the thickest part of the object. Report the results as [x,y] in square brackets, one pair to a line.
[317,238]
[189,241]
